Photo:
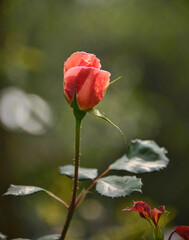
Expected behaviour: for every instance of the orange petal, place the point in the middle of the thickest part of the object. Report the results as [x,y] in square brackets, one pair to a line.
[89,82]
[81,59]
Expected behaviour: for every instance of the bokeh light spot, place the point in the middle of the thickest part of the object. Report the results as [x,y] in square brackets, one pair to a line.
[21,111]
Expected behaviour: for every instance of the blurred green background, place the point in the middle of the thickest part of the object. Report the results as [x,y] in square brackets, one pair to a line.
[145,42]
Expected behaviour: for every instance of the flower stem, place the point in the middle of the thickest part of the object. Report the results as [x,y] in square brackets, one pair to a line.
[171,235]
[157,234]
[75,185]
[78,200]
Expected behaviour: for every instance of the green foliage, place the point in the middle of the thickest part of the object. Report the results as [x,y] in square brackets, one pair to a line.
[50,237]
[142,156]
[79,115]
[115,186]
[98,114]
[19,190]
[146,43]
[84,173]
[74,103]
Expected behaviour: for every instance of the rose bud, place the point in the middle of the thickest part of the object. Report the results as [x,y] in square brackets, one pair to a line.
[146,212]
[82,74]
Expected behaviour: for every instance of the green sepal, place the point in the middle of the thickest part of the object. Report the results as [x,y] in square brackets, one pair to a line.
[115,80]
[78,113]
[97,113]
[74,104]
[157,232]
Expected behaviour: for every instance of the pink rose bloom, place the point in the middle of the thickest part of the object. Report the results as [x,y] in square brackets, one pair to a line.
[82,73]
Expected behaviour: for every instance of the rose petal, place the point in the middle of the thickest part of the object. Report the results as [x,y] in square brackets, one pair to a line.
[81,59]
[146,212]
[90,84]
[182,231]
[156,214]
[141,207]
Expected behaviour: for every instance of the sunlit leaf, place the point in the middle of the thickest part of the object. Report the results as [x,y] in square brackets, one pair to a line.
[115,186]
[84,173]
[19,190]
[142,156]
[50,237]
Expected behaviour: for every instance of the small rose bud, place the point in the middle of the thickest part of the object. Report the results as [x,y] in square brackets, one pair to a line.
[82,74]
[146,212]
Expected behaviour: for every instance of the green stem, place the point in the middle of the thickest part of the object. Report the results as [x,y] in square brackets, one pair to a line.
[92,184]
[57,198]
[157,234]
[75,185]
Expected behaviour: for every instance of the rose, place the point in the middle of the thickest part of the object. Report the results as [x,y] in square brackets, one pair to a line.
[152,216]
[82,74]
[146,212]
